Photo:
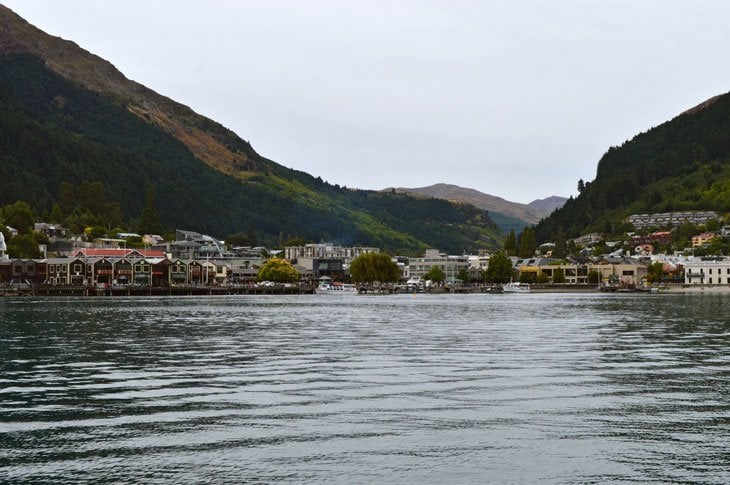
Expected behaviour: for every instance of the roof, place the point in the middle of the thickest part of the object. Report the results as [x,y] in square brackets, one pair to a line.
[117,253]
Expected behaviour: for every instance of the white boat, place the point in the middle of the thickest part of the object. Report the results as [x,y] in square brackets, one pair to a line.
[336,288]
[516,287]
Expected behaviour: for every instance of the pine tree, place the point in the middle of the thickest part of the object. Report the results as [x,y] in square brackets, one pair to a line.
[510,244]
[66,199]
[528,244]
[149,221]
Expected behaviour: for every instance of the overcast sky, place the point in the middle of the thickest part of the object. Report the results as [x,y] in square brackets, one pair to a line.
[517,99]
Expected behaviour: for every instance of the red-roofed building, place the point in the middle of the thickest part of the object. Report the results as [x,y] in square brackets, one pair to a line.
[117,253]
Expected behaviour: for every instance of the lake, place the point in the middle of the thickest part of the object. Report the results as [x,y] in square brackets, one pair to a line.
[556,388]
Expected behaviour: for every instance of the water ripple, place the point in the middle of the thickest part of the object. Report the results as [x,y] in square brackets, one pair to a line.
[472,388]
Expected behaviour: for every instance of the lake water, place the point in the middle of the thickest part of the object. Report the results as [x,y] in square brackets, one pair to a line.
[409,389]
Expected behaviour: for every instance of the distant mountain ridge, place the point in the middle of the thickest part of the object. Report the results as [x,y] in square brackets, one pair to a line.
[548,204]
[527,214]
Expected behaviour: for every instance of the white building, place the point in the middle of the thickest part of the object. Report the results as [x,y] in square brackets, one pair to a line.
[707,272]
[3,248]
[449,265]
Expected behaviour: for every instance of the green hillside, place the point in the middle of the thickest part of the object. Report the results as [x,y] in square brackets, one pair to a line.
[683,164]
[53,130]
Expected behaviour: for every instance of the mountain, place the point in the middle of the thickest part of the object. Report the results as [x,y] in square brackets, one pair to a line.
[67,115]
[682,164]
[508,215]
[548,204]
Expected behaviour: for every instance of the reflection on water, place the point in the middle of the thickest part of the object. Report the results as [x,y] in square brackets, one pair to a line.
[537,387]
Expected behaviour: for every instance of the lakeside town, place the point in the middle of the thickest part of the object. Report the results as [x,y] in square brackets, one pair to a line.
[197,263]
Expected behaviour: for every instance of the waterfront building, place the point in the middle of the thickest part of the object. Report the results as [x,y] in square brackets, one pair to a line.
[193,245]
[715,271]
[617,270]
[326,259]
[449,265]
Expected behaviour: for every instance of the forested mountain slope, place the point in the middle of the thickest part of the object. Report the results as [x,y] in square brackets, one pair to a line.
[71,117]
[683,164]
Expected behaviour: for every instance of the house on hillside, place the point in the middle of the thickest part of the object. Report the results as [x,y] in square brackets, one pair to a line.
[703,239]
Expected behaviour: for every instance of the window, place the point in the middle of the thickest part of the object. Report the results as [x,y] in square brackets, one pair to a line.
[77,268]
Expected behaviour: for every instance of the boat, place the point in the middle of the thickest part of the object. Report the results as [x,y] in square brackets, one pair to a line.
[516,287]
[336,288]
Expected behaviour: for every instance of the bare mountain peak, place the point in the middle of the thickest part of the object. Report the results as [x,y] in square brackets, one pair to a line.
[492,203]
[548,204]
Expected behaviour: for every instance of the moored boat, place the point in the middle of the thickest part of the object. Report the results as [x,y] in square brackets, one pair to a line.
[516,287]
[336,288]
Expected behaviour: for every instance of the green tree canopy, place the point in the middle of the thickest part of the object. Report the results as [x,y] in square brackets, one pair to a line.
[149,221]
[19,216]
[66,198]
[559,276]
[594,277]
[528,243]
[655,272]
[499,269]
[463,275]
[435,274]
[372,267]
[278,271]
[23,246]
[510,244]
[560,250]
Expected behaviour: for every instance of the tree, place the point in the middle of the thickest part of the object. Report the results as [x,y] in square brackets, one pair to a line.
[559,276]
[528,244]
[23,246]
[278,271]
[560,251]
[528,277]
[685,231]
[56,216]
[713,225]
[655,272]
[594,277]
[66,199]
[463,275]
[95,232]
[510,244]
[499,269]
[435,274]
[19,216]
[581,186]
[295,241]
[149,221]
[92,197]
[372,267]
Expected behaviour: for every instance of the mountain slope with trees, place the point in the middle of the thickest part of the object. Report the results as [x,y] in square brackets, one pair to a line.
[683,164]
[61,127]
